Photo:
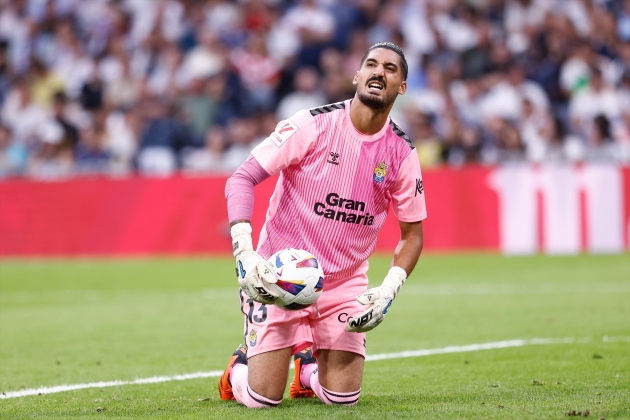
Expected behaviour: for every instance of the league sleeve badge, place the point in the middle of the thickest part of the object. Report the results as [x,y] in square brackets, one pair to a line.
[284,130]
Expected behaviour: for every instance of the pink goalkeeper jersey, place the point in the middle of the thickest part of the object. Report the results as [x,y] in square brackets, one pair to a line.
[335,187]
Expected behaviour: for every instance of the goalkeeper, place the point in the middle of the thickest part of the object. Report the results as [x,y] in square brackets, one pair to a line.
[341,166]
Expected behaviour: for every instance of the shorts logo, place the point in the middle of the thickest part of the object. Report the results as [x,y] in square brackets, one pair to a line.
[343,317]
[380,172]
[284,130]
[253,338]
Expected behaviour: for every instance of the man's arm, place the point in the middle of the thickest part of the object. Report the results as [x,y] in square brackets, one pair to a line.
[410,246]
[380,298]
[254,274]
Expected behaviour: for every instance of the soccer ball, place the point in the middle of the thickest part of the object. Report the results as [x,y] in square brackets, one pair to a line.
[300,278]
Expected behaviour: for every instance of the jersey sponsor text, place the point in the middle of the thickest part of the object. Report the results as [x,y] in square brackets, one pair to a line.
[333,200]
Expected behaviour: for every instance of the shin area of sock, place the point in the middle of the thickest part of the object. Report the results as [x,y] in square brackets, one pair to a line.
[333,397]
[307,373]
[244,394]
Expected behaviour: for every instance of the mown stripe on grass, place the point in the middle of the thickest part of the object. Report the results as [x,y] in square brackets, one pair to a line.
[369,358]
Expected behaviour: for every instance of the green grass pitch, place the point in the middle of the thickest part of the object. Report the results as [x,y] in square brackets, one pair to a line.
[84,321]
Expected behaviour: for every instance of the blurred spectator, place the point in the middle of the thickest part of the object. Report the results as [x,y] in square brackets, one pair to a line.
[598,98]
[123,91]
[313,25]
[91,153]
[575,72]
[163,137]
[241,134]
[120,140]
[22,115]
[16,27]
[199,106]
[623,23]
[601,146]
[307,94]
[560,146]
[209,158]
[462,143]
[70,136]
[44,84]
[510,146]
[428,144]
[5,71]
[92,93]
[168,76]
[207,58]
[13,155]
[50,158]
[258,71]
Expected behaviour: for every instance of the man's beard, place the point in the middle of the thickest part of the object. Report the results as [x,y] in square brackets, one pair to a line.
[373,101]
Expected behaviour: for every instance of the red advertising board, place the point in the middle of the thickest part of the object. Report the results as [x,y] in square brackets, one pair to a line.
[473,208]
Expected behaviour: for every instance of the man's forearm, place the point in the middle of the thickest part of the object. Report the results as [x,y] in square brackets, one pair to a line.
[409,248]
[239,190]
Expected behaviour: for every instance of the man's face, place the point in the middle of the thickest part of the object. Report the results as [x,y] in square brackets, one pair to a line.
[379,80]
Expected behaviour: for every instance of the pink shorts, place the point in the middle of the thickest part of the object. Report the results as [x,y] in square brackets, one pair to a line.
[321,326]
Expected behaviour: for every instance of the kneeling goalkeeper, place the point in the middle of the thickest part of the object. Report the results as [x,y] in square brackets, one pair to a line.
[341,166]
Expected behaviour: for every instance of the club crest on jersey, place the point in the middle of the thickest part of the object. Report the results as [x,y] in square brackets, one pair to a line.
[380,172]
[253,338]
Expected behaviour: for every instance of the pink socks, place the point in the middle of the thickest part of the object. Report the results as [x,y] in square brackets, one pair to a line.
[244,394]
[310,379]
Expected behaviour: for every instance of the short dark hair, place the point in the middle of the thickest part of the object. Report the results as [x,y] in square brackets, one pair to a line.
[393,47]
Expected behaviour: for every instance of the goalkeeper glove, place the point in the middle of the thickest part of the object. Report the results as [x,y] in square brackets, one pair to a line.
[253,272]
[379,300]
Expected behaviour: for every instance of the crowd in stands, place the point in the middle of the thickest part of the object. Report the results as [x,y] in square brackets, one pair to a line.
[159,86]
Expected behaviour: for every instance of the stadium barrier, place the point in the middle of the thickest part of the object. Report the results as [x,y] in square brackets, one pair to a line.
[514,209]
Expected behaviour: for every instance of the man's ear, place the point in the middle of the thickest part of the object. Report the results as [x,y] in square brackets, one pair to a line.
[355,80]
[403,88]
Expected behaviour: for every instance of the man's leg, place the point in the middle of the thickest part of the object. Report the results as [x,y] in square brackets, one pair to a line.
[261,382]
[259,378]
[335,378]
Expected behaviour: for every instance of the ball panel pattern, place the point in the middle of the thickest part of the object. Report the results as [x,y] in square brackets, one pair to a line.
[300,278]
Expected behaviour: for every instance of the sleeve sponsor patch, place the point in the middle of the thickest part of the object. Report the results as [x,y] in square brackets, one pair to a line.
[284,130]
[419,187]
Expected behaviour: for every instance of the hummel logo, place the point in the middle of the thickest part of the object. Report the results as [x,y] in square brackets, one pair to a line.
[419,187]
[333,158]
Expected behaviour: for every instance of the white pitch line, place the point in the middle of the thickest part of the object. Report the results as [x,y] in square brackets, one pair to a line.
[151,380]
[369,358]
[473,347]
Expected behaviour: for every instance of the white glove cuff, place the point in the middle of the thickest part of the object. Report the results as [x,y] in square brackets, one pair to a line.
[395,279]
[241,238]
